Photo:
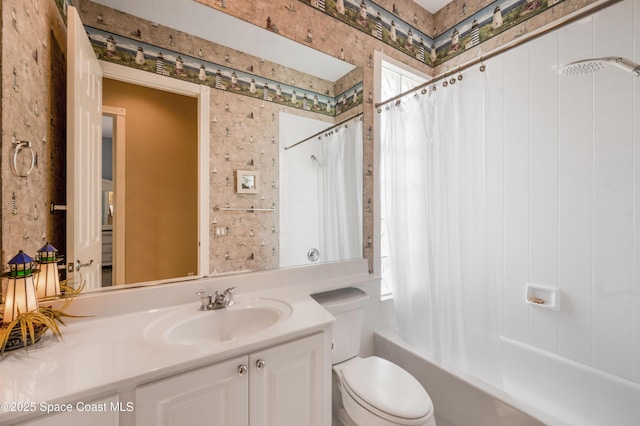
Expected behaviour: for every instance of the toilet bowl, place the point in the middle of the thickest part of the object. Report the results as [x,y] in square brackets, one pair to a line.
[371,391]
[376,392]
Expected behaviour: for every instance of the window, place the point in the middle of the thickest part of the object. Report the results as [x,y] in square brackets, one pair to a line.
[394,80]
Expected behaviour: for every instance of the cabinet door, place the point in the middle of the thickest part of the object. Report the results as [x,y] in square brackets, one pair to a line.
[214,395]
[103,412]
[289,384]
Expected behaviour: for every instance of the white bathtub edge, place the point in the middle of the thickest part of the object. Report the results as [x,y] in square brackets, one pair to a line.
[393,337]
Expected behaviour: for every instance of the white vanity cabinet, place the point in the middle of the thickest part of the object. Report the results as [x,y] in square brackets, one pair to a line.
[279,386]
[288,383]
[213,395]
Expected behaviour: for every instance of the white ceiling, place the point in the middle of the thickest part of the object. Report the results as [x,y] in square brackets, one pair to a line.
[432,5]
[205,22]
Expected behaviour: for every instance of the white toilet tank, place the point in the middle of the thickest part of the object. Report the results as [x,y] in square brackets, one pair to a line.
[347,305]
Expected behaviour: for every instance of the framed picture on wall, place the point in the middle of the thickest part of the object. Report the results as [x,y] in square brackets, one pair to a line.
[247,181]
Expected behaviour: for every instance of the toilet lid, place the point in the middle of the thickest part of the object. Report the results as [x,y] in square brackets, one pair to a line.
[386,387]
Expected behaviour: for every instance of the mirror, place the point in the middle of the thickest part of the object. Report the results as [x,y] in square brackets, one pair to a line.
[247,181]
[320,190]
[155,188]
[250,208]
[108,201]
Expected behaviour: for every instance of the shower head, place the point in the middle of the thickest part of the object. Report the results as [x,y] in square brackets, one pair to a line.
[588,66]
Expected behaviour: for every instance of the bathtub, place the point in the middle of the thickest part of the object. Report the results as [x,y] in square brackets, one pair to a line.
[527,387]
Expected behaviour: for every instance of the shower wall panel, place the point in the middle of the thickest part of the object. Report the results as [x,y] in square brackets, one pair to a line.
[570,148]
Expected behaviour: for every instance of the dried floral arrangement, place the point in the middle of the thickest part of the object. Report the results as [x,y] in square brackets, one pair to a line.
[28,328]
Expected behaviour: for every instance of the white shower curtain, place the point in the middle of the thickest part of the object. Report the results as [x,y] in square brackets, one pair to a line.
[339,166]
[433,189]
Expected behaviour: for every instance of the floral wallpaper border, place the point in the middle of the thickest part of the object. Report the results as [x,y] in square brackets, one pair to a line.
[386,26]
[126,51]
[487,23]
[379,23]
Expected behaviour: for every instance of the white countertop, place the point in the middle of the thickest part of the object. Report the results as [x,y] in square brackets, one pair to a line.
[99,355]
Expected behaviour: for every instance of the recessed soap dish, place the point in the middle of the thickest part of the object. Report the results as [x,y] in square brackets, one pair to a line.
[544,297]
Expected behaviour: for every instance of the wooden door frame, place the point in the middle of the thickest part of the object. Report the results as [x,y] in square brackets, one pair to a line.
[119,126]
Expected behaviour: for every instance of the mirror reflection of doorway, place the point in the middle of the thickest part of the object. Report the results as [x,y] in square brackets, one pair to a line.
[108,200]
[158,163]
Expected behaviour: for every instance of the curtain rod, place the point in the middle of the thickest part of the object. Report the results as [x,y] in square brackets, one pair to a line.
[323,131]
[575,16]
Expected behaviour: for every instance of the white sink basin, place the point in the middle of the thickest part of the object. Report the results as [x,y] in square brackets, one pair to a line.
[190,326]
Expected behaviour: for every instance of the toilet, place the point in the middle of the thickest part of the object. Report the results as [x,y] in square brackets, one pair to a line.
[371,391]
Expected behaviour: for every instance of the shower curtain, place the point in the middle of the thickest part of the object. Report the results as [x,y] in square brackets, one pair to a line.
[433,178]
[339,169]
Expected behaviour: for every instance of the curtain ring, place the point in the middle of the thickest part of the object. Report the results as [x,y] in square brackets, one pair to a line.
[19,146]
[483,67]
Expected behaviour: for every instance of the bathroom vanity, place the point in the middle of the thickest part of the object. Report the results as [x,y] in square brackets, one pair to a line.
[283,382]
[263,361]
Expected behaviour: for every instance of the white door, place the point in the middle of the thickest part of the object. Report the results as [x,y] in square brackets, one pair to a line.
[214,395]
[289,384]
[84,156]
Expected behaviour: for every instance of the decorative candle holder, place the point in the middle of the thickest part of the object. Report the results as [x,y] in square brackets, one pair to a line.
[24,322]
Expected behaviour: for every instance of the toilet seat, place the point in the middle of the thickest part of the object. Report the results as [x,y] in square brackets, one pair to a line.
[386,390]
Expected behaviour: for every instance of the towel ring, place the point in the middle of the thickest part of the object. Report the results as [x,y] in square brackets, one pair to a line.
[18,147]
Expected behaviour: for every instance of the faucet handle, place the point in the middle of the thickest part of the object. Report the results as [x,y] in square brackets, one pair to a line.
[228,293]
[205,299]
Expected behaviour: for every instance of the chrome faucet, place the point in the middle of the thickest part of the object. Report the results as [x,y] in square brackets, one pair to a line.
[218,300]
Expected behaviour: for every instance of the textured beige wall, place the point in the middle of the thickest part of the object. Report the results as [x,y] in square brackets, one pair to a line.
[245,241]
[1,127]
[161,218]
[33,108]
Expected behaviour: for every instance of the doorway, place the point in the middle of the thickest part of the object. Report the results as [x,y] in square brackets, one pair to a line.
[160,172]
